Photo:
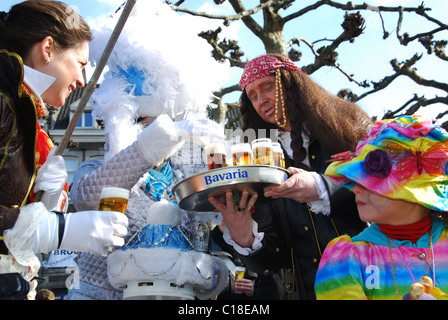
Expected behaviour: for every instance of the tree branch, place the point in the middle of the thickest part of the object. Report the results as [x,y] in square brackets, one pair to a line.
[349,6]
[364,84]
[297,41]
[240,13]
[271,34]
[405,38]
[378,86]
[227,90]
[404,68]
[220,49]
[353,26]
[419,103]
[437,47]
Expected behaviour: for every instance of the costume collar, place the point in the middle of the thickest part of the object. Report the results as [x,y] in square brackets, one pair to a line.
[38,82]
[374,235]
[412,231]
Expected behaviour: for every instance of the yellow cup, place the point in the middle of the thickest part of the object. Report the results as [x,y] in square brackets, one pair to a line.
[263,152]
[242,154]
[114,199]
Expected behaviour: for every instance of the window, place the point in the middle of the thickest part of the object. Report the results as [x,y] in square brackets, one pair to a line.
[86,120]
[97,157]
[71,164]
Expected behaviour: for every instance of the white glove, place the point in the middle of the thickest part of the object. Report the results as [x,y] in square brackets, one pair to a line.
[202,131]
[85,231]
[94,231]
[51,179]
[160,140]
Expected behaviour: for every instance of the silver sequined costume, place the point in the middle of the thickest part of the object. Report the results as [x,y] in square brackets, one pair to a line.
[123,170]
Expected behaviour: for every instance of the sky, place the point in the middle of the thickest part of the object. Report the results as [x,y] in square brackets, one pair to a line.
[368,58]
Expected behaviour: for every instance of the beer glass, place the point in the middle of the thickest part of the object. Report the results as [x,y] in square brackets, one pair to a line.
[201,237]
[262,150]
[242,154]
[216,155]
[239,273]
[279,158]
[114,199]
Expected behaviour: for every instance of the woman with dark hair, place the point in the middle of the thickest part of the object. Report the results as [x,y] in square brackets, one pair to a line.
[288,235]
[44,47]
[50,38]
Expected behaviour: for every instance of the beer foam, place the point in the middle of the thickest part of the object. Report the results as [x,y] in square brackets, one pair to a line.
[260,143]
[241,147]
[114,192]
[215,148]
[276,147]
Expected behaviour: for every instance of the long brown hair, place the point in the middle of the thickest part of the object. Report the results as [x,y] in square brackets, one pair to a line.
[336,123]
[29,22]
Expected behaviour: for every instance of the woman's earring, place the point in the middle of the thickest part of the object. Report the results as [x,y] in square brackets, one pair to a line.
[47,61]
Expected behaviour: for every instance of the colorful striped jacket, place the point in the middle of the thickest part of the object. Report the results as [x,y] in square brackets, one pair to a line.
[371,266]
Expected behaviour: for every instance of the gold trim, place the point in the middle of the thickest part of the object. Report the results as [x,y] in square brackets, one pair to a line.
[334,226]
[294,280]
[309,210]
[21,94]
[314,229]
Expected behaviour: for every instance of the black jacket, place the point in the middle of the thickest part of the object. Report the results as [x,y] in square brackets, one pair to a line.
[295,238]
[18,127]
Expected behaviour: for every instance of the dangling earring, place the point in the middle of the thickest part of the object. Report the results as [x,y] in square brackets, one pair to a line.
[279,100]
[46,62]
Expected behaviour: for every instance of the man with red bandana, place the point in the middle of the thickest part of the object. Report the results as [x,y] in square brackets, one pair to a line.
[288,235]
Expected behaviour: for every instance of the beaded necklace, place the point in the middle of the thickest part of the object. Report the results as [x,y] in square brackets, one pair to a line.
[430,257]
[279,100]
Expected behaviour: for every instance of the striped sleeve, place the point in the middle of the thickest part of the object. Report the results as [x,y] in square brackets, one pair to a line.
[339,276]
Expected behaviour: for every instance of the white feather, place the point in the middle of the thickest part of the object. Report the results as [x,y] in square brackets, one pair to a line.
[180,74]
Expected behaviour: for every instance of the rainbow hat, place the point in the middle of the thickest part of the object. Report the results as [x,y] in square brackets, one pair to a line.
[404,158]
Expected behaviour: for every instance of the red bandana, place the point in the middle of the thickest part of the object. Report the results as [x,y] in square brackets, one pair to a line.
[411,232]
[263,66]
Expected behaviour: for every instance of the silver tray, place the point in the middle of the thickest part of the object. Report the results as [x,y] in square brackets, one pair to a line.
[192,193]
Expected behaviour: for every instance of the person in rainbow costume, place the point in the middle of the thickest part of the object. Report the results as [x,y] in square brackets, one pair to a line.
[399,176]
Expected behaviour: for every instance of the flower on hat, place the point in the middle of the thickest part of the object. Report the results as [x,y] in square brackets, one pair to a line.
[378,163]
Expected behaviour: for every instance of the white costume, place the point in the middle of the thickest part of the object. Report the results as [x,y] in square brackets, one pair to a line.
[147,76]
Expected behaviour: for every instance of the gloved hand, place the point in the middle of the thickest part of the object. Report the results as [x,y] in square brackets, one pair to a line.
[202,131]
[94,231]
[85,231]
[51,179]
[160,140]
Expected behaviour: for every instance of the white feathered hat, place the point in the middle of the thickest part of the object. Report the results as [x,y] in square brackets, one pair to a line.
[158,66]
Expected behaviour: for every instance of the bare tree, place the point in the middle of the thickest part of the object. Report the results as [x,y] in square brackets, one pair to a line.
[271,33]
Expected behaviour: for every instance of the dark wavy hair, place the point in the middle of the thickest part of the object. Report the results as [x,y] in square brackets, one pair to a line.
[336,123]
[29,22]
